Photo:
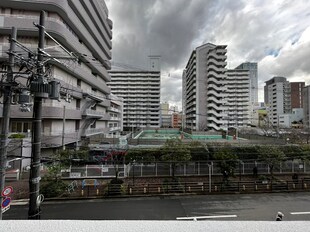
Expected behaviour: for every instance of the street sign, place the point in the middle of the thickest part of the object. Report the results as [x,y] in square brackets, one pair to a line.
[7,191]
[6,202]
[5,209]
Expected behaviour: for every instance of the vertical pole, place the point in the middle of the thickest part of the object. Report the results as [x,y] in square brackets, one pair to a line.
[6,113]
[210,184]
[34,179]
[63,128]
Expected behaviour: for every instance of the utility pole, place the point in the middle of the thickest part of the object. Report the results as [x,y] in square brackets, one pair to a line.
[40,89]
[6,112]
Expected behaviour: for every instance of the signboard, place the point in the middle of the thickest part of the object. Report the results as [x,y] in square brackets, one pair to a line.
[5,209]
[104,169]
[6,202]
[7,191]
[75,174]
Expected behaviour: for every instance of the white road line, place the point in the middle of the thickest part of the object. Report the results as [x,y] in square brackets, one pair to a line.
[299,213]
[19,203]
[206,217]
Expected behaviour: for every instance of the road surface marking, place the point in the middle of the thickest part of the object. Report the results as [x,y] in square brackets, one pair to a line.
[19,203]
[299,213]
[206,217]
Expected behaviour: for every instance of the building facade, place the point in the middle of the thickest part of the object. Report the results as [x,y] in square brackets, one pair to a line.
[141,93]
[204,90]
[277,98]
[253,78]
[296,94]
[116,114]
[83,29]
[238,98]
[306,107]
[214,98]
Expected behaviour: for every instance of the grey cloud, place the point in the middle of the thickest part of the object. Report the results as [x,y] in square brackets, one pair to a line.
[173,29]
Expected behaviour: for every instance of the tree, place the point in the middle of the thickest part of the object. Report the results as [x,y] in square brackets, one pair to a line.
[142,155]
[271,156]
[175,152]
[227,161]
[198,151]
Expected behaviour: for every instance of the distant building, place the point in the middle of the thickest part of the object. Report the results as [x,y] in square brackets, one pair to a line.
[204,89]
[277,98]
[296,94]
[116,114]
[166,120]
[164,108]
[141,93]
[238,111]
[306,106]
[253,78]
[177,120]
[284,100]
[214,98]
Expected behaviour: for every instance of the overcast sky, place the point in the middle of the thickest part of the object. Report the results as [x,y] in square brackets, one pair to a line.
[276,34]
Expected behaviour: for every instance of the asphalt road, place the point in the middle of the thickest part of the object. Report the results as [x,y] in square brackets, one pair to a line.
[258,207]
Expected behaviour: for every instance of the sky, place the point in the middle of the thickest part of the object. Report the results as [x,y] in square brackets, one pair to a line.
[273,33]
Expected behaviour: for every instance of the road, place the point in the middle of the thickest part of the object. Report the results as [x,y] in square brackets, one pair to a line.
[258,207]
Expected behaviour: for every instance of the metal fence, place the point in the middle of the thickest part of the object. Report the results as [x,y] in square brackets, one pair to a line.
[77,189]
[183,169]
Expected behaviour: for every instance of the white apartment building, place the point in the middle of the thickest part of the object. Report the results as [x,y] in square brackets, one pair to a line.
[116,114]
[277,99]
[253,79]
[141,93]
[214,98]
[204,88]
[83,28]
[238,98]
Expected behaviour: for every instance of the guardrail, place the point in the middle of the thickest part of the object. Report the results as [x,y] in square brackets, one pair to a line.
[141,189]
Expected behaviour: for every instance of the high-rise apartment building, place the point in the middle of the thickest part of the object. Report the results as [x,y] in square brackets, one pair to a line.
[253,77]
[296,94]
[141,93]
[277,98]
[214,98]
[84,29]
[116,114]
[238,104]
[204,89]
[306,106]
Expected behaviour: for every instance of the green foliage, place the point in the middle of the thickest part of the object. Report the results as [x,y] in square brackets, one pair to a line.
[175,152]
[198,151]
[272,156]
[227,160]
[52,185]
[142,155]
[246,152]
[17,136]
[292,151]
[66,157]
[53,188]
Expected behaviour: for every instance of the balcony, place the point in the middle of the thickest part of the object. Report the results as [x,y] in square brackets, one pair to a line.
[95,131]
[92,114]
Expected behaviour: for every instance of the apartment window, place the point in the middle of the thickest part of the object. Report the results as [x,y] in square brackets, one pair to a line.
[77,125]
[78,104]
[78,82]
[21,127]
